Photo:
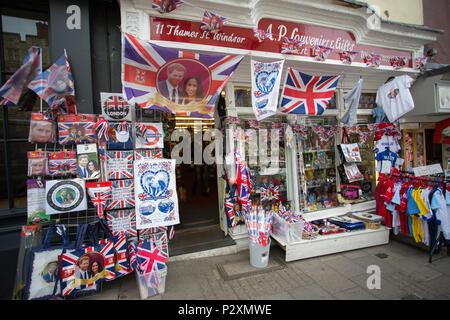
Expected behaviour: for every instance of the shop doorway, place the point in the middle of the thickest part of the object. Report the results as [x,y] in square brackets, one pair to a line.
[199,227]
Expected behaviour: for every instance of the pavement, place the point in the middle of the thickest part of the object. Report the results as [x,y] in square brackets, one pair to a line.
[395,271]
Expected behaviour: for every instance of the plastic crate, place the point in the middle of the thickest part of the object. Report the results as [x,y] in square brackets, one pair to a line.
[289,232]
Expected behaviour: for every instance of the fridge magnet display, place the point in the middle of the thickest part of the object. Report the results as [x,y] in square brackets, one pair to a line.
[122,194]
[37,163]
[62,163]
[122,221]
[119,164]
[155,193]
[115,107]
[65,196]
[88,165]
[119,136]
[76,128]
[36,201]
[41,130]
[149,135]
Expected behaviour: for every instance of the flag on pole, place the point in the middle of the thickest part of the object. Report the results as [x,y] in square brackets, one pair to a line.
[177,82]
[55,83]
[306,94]
[31,66]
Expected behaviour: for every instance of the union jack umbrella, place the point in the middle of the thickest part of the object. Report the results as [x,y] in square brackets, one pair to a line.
[398,62]
[347,57]
[70,284]
[122,194]
[291,46]
[122,265]
[261,35]
[11,91]
[321,53]
[212,22]
[142,61]
[100,193]
[160,6]
[122,221]
[372,60]
[306,94]
[119,164]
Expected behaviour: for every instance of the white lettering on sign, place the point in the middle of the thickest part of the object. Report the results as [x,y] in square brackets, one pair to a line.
[74,20]
[428,170]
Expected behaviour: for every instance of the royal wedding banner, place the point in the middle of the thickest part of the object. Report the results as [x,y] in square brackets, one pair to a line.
[178,82]
[266,78]
[155,193]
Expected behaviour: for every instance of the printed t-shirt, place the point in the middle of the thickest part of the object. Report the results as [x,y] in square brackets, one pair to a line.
[438,202]
[395,97]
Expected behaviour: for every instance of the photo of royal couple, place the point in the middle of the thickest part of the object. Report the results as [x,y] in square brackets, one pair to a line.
[178,89]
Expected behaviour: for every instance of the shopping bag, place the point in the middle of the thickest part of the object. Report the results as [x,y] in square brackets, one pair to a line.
[87,265]
[348,152]
[349,173]
[43,272]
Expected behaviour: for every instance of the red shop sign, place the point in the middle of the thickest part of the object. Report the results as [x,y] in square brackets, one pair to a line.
[243,38]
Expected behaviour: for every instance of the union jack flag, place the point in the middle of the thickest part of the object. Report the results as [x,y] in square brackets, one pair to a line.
[122,194]
[132,255]
[100,193]
[62,163]
[119,164]
[11,91]
[149,257]
[122,221]
[212,22]
[55,82]
[346,57]
[321,53]
[305,94]
[122,266]
[162,7]
[270,192]
[76,128]
[70,284]
[146,60]
[243,182]
[261,35]
[291,46]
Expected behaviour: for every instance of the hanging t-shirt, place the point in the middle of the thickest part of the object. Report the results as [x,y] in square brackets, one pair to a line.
[386,156]
[438,202]
[387,143]
[352,98]
[395,97]
[379,115]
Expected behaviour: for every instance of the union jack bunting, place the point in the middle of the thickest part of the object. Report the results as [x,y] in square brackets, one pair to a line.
[212,22]
[254,124]
[100,193]
[372,60]
[11,91]
[320,53]
[72,283]
[122,266]
[230,120]
[76,128]
[144,72]
[347,57]
[261,35]
[398,62]
[55,82]
[306,94]
[163,6]
[291,46]
[122,221]
[119,164]
[122,194]
[420,63]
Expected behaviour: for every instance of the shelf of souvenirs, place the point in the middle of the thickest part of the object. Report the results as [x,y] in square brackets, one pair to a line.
[342,208]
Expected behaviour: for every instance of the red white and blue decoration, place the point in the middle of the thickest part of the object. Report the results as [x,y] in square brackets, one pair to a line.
[347,57]
[100,193]
[122,221]
[398,62]
[266,79]
[155,193]
[165,6]
[261,35]
[320,53]
[115,107]
[151,264]
[119,164]
[148,71]
[212,22]
[291,46]
[306,94]
[76,129]
[11,91]
[420,63]
[122,194]
[243,182]
[372,60]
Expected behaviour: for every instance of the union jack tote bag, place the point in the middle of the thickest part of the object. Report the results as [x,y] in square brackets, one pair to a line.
[76,128]
[43,270]
[85,267]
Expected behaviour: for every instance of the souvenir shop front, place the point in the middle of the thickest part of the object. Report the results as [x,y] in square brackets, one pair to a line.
[352,54]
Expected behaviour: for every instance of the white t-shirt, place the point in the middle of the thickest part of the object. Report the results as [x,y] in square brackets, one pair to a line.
[395,97]
[387,142]
[442,214]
